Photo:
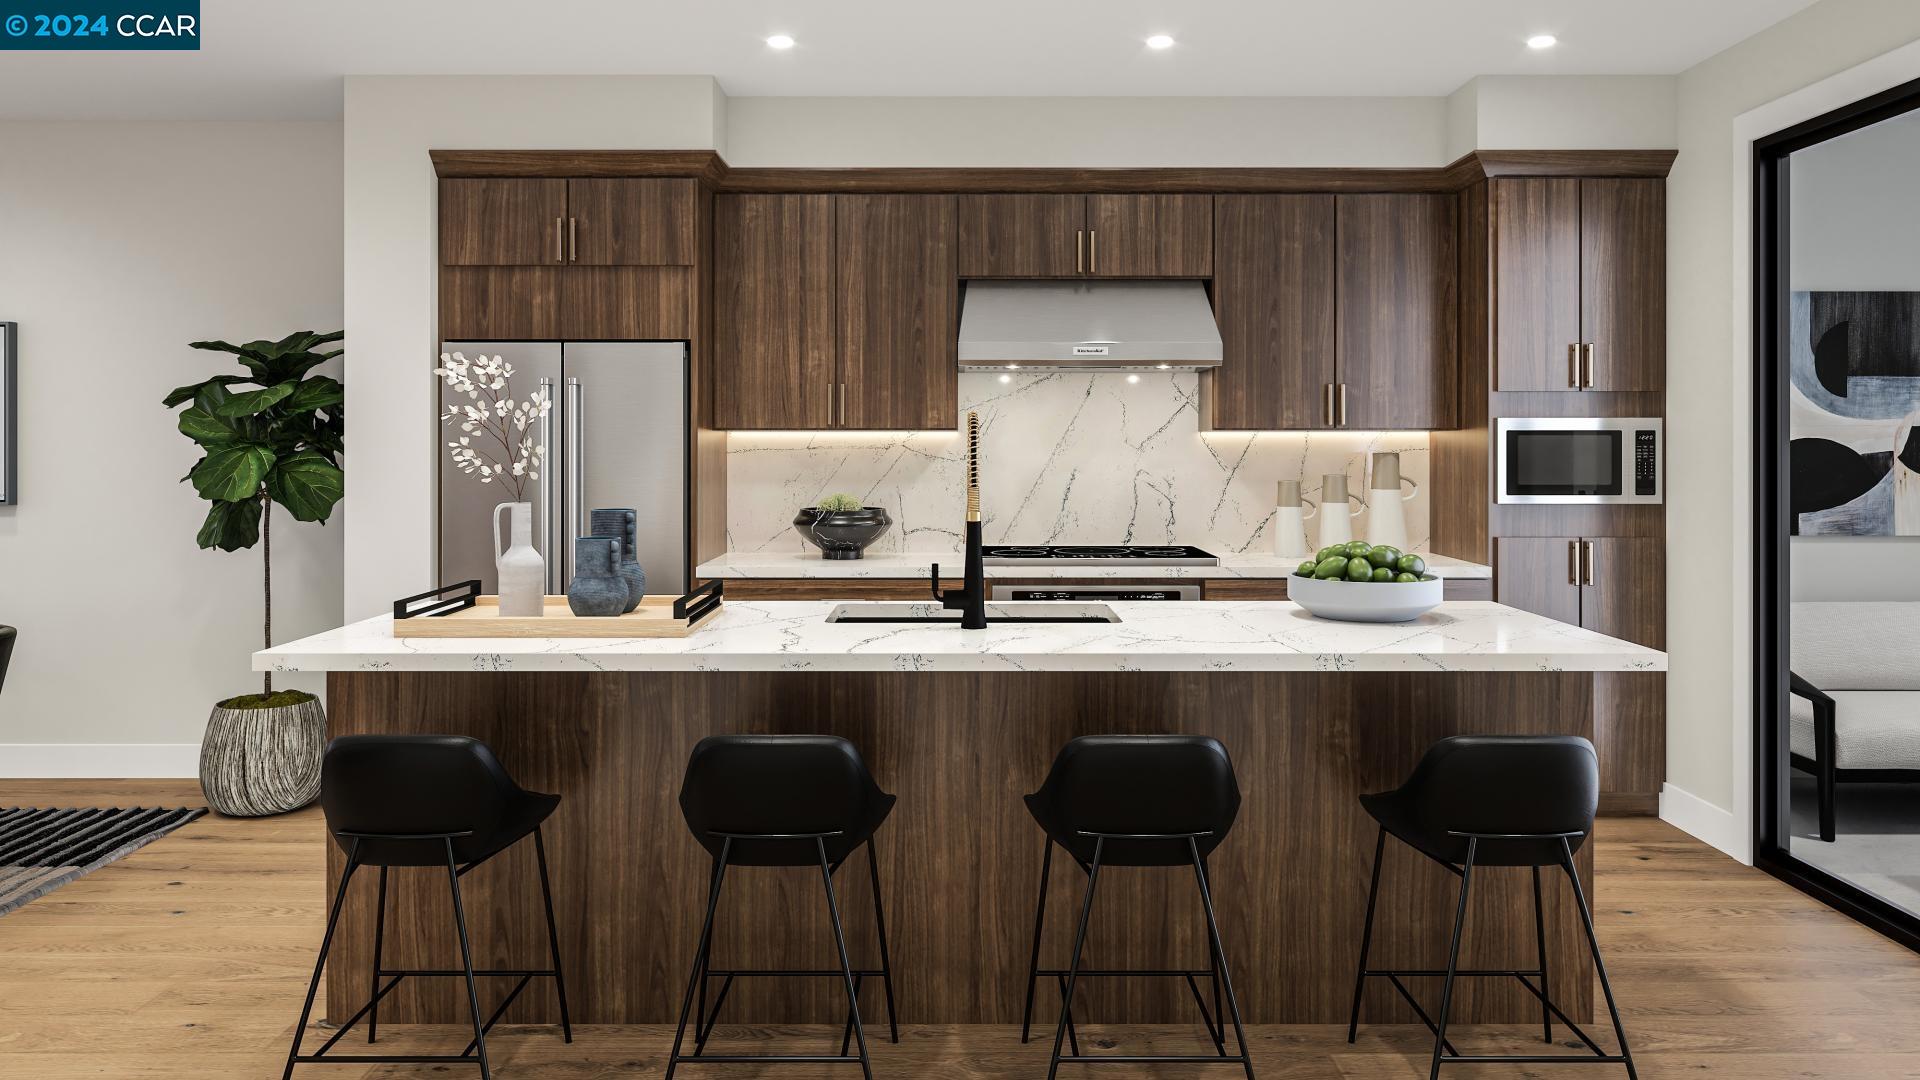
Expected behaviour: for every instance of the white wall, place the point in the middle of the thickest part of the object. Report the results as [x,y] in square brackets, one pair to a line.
[123,242]
[1855,218]
[1708,622]
[391,123]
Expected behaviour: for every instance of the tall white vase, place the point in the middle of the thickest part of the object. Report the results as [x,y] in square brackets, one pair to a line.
[522,572]
[1386,502]
[1291,510]
[1336,510]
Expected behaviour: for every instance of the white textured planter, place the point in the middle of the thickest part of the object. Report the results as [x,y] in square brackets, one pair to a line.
[1365,601]
[258,762]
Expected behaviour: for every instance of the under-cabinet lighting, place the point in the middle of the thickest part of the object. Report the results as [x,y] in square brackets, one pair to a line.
[1006,378]
[780,41]
[1133,378]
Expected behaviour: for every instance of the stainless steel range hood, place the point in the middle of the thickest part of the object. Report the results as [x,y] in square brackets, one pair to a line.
[1087,326]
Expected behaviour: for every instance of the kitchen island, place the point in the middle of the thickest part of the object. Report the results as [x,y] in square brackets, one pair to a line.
[959,725]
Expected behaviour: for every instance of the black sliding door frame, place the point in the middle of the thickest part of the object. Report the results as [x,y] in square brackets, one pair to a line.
[1772,505]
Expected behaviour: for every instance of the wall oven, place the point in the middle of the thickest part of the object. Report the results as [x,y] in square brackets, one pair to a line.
[1579,459]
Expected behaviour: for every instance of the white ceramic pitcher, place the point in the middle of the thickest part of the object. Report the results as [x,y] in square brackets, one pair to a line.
[1291,511]
[1336,510]
[1386,501]
[521,570]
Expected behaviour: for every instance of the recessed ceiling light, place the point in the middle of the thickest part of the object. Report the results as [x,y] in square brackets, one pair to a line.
[1542,41]
[780,41]
[1159,41]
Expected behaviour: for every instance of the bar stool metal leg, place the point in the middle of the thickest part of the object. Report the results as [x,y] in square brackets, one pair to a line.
[379,941]
[1453,963]
[880,924]
[1599,965]
[553,935]
[1039,921]
[466,961]
[700,956]
[1073,967]
[846,966]
[1366,937]
[1540,944]
[320,962]
[1220,957]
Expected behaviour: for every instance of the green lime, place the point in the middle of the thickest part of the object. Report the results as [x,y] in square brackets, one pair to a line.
[1359,569]
[1404,578]
[1332,566]
[1383,555]
[1329,552]
[1381,573]
[1411,564]
[1305,569]
[1357,548]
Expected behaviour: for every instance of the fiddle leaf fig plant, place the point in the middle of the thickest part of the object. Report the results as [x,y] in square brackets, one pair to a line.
[271,435]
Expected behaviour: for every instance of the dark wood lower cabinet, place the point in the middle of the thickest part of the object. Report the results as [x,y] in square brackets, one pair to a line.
[960,858]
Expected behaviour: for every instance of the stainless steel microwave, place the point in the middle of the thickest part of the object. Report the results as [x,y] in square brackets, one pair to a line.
[1579,459]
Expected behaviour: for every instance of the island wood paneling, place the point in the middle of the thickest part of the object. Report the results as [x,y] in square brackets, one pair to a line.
[960,858]
[1273,297]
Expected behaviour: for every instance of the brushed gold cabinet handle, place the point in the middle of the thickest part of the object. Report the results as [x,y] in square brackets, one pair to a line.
[1586,575]
[843,404]
[1326,404]
[1587,352]
[832,389]
[573,240]
[1573,366]
[1573,562]
[1093,251]
[559,252]
[1079,251]
[1343,404]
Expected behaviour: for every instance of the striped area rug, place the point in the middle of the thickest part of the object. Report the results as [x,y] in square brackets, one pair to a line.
[41,850]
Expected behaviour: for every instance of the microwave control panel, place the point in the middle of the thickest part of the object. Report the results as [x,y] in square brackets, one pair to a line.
[1645,461]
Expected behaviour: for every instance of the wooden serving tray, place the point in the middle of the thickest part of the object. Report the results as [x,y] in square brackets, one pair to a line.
[653,618]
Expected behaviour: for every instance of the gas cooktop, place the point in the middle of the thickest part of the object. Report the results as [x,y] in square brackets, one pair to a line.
[1116,555]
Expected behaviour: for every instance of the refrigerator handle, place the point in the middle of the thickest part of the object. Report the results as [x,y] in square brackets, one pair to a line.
[576,465]
[549,491]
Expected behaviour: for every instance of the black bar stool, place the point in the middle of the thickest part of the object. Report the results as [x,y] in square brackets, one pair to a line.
[782,800]
[1137,800]
[1495,800]
[426,800]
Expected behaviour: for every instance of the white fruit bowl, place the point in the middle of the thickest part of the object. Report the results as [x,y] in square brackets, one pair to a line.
[1365,601]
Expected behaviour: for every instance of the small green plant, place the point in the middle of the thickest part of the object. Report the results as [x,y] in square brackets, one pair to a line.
[834,504]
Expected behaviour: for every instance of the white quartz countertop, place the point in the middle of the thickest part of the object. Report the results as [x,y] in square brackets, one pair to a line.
[1151,636]
[792,564]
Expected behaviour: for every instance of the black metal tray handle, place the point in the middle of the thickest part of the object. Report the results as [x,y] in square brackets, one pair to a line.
[436,602]
[699,603]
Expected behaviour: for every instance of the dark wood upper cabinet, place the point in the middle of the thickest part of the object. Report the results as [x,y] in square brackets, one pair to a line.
[500,303]
[897,311]
[626,303]
[503,222]
[1167,236]
[629,222]
[774,354]
[1539,574]
[1580,284]
[1273,297]
[1021,236]
[1623,283]
[1398,319]
[1536,269]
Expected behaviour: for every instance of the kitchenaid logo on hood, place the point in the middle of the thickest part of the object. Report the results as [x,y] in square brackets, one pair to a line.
[1092,350]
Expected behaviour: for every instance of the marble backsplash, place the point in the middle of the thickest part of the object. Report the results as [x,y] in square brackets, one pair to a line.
[1065,458]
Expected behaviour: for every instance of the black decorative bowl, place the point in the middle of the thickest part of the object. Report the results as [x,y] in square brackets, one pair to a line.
[842,534]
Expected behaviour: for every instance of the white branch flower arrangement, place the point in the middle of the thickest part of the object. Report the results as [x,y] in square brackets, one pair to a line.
[497,433]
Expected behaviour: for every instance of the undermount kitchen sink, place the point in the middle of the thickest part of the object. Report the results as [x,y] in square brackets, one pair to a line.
[934,614]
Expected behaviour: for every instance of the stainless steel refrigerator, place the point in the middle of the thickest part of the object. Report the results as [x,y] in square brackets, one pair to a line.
[616,437]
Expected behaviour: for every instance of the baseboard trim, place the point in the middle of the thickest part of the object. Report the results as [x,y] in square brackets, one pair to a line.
[78,761]
[1704,821]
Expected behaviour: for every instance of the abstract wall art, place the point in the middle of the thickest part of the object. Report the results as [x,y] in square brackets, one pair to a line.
[1855,413]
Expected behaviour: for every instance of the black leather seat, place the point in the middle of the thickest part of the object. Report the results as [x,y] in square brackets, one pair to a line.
[782,801]
[1476,802]
[1138,800]
[416,801]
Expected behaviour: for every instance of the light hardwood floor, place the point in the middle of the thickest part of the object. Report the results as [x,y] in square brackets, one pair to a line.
[188,959]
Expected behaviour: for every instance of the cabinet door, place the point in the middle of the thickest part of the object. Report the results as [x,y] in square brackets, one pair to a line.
[773,350]
[1539,574]
[1022,236]
[897,311]
[503,222]
[1167,236]
[1273,298]
[500,303]
[629,222]
[1536,239]
[1623,282]
[1624,589]
[626,303]
[1398,318]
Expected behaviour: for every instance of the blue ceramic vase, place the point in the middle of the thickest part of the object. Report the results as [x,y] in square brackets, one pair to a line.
[597,588]
[621,524]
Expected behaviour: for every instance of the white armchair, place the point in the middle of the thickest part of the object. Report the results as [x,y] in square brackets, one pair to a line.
[1854,710]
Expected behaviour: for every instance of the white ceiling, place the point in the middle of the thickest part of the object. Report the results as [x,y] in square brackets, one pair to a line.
[284,58]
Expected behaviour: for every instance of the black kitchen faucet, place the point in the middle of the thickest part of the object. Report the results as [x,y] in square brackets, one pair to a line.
[971,598]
